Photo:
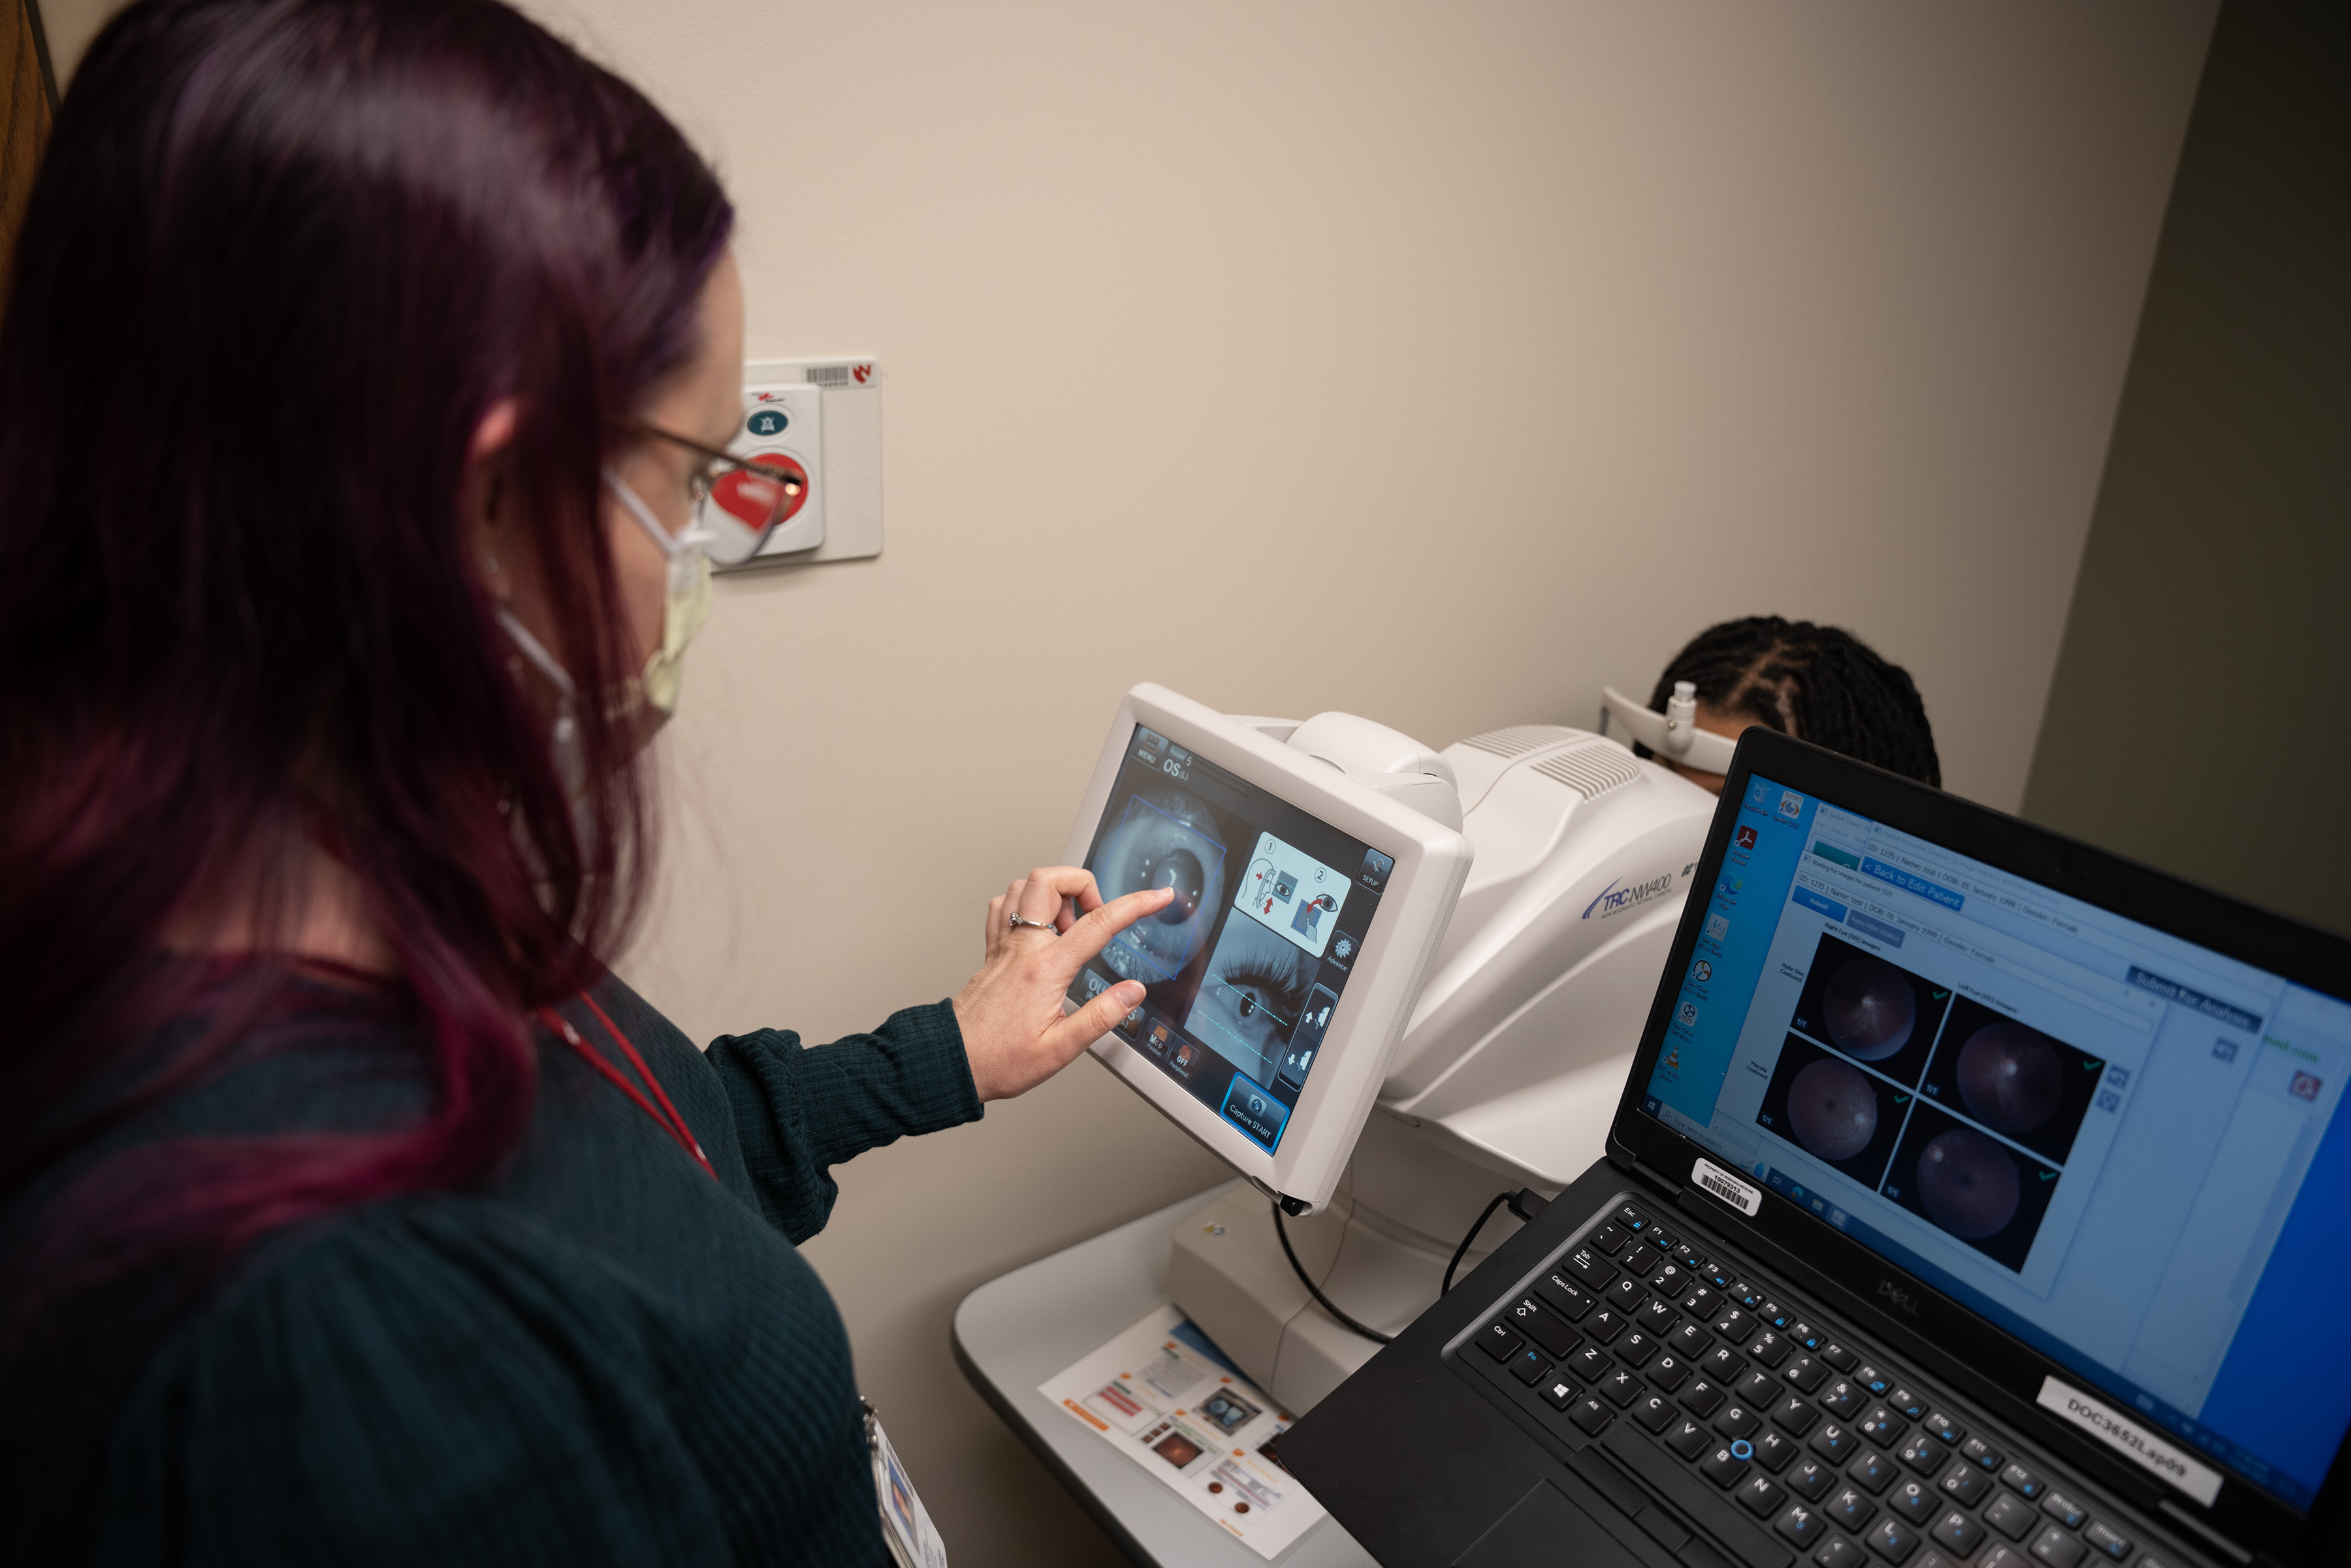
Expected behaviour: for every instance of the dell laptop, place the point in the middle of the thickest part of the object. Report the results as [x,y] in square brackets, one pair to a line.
[1977,1200]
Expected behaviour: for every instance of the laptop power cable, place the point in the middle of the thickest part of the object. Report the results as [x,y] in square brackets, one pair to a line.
[1526,1203]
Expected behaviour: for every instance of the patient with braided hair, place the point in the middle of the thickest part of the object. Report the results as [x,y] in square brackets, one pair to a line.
[1819,683]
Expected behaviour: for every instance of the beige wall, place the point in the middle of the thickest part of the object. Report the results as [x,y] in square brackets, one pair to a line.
[68,26]
[1437,362]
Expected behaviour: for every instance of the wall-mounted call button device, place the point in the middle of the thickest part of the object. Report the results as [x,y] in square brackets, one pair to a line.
[783,427]
[822,420]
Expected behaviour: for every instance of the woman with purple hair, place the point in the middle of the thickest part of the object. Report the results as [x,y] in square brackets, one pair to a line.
[362,372]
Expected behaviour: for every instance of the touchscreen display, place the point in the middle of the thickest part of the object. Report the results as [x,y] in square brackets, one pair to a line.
[1242,970]
[2123,1149]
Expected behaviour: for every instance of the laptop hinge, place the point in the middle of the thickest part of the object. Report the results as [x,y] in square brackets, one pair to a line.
[2211,1537]
[1650,1176]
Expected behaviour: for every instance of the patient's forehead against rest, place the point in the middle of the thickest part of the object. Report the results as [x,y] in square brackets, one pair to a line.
[1820,683]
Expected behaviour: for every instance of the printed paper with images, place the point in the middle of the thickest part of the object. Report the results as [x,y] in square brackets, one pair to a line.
[1163,1396]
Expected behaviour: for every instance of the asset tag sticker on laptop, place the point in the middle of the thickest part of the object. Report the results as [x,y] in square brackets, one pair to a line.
[1741,1195]
[2132,1439]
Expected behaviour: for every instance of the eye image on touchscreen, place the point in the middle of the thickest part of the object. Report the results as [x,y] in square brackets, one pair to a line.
[1242,970]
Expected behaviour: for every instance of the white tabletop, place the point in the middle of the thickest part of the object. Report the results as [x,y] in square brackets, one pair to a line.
[1016,1330]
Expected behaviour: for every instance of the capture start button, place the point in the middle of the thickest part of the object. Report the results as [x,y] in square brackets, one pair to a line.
[1250,1108]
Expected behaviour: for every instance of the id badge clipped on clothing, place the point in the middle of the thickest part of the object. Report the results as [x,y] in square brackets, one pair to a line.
[906,1528]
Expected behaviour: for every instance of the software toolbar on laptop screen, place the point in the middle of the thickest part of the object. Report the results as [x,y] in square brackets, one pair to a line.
[2121,1147]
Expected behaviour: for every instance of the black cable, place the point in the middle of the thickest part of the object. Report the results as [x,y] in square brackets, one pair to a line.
[1462,1250]
[1526,1203]
[1282,1230]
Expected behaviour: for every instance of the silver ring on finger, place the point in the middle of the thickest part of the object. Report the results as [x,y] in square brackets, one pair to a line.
[1015,922]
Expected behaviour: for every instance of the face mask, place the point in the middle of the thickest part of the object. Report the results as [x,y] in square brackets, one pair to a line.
[684,610]
[563,741]
[686,605]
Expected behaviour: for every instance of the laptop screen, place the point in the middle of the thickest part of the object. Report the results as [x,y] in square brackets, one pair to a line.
[2119,1147]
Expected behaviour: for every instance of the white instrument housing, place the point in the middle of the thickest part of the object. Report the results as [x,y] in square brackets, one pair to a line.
[1509,1071]
[1352,776]
[1584,854]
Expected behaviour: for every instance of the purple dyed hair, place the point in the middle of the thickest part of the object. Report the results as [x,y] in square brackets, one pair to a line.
[282,258]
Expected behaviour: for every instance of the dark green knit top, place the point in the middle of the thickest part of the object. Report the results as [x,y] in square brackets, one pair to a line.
[600,1355]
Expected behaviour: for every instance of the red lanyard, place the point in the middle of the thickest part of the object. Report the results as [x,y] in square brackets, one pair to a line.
[666,1115]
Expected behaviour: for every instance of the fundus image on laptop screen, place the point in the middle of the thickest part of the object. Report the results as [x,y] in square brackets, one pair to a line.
[2002,1101]
[2092,1133]
[1242,970]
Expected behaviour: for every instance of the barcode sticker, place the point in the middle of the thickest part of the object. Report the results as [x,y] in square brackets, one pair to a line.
[1744,1197]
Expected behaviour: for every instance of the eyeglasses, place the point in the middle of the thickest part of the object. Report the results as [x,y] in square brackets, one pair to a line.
[737,502]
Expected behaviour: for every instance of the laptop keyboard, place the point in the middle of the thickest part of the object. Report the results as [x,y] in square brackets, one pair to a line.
[1755,1422]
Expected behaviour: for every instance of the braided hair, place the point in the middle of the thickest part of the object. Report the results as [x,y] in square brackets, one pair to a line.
[1818,683]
